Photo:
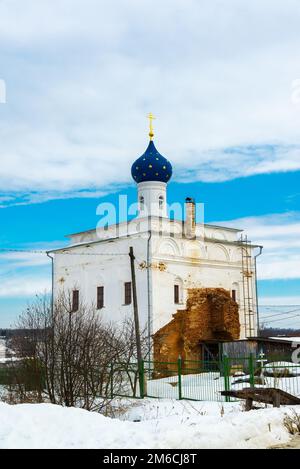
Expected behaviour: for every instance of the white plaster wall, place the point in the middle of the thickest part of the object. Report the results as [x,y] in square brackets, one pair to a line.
[88,271]
[151,192]
[212,262]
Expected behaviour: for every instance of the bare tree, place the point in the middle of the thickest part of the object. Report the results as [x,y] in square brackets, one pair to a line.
[73,358]
[126,353]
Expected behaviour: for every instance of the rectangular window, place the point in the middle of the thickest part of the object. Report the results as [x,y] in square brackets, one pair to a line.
[233,295]
[176,294]
[127,286]
[100,297]
[75,301]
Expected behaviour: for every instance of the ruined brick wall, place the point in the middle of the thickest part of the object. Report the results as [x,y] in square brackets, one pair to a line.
[210,315]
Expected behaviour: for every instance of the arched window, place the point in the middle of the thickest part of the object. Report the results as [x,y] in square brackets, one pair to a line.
[142,203]
[161,201]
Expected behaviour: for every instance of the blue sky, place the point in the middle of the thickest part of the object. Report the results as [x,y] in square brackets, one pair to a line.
[252,200]
[80,78]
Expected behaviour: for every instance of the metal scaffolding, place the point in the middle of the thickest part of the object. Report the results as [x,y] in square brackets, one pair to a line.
[249,312]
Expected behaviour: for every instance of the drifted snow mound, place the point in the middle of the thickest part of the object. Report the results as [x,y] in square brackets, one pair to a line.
[53,426]
[163,424]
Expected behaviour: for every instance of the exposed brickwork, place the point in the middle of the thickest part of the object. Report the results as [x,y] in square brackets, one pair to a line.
[211,315]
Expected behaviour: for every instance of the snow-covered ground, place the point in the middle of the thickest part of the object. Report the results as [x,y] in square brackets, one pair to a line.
[149,423]
[6,355]
[2,349]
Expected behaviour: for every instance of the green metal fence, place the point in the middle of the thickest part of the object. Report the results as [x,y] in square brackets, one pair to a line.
[163,379]
[126,379]
[204,380]
[191,380]
[282,375]
[187,379]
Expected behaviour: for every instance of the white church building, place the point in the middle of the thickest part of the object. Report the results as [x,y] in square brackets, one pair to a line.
[171,257]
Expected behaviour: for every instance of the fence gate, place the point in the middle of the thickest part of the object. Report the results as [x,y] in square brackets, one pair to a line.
[238,373]
[193,380]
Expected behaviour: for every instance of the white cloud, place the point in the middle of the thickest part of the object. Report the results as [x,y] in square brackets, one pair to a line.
[279,301]
[24,286]
[25,274]
[81,77]
[23,259]
[280,235]
[28,255]
[40,197]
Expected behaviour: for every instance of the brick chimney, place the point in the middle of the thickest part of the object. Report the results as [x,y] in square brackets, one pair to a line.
[190,218]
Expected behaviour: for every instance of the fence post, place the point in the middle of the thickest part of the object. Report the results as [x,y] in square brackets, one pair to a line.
[226,376]
[179,365]
[142,378]
[112,381]
[251,370]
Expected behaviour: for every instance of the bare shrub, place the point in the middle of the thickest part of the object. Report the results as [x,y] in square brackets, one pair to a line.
[292,423]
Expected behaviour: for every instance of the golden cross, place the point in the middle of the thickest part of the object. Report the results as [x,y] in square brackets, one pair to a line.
[151,117]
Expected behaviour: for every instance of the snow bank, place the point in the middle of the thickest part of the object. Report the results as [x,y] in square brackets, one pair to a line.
[162,424]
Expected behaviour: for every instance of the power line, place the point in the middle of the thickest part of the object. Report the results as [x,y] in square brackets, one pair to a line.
[283,319]
[31,251]
[92,253]
[23,250]
[281,313]
[276,306]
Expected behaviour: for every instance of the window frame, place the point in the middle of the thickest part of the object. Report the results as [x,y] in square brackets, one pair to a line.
[75,300]
[127,293]
[177,294]
[100,297]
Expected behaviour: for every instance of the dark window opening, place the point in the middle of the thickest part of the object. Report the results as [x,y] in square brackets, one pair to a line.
[75,301]
[100,297]
[233,295]
[127,287]
[210,352]
[176,294]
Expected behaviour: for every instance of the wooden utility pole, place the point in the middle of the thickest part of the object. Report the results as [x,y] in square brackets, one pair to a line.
[135,307]
[137,325]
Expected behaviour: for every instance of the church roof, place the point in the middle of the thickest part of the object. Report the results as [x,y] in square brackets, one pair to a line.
[151,166]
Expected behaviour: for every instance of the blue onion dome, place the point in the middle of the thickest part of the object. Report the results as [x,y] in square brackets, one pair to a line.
[151,166]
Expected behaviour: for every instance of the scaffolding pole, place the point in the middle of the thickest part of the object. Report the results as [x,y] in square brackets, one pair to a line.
[247,279]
